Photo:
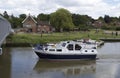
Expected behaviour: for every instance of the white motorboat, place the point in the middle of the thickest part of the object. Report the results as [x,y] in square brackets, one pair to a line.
[66,50]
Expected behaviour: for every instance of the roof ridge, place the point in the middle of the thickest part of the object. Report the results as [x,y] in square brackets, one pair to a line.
[28,17]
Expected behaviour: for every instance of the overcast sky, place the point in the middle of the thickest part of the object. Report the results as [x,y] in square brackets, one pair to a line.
[93,8]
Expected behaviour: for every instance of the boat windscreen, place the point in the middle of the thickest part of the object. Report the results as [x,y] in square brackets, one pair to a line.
[63,44]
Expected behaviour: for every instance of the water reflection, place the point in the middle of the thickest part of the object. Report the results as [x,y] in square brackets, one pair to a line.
[5,64]
[108,66]
[66,68]
[23,61]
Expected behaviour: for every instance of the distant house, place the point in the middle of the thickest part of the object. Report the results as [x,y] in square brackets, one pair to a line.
[97,24]
[44,26]
[31,25]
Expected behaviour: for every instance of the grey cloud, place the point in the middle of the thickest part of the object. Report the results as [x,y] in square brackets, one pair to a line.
[94,8]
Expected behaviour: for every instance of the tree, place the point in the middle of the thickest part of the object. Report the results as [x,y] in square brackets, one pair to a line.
[22,16]
[43,17]
[83,22]
[62,20]
[107,19]
[15,21]
[81,19]
[101,19]
[5,14]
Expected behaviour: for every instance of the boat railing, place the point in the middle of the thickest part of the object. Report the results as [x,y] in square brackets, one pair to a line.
[89,46]
[38,46]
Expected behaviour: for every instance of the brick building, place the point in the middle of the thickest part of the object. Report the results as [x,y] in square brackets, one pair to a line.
[31,25]
[44,26]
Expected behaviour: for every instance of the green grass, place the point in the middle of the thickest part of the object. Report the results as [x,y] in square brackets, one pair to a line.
[56,37]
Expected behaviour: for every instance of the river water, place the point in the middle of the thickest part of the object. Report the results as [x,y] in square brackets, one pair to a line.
[23,63]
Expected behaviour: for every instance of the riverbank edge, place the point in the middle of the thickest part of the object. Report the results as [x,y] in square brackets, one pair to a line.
[17,45]
[100,43]
[110,39]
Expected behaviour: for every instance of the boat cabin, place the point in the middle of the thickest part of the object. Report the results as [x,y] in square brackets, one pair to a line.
[69,47]
[66,50]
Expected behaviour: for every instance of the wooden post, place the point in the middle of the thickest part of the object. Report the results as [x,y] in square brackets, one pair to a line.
[41,34]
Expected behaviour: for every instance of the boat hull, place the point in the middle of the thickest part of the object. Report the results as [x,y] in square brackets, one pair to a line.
[67,57]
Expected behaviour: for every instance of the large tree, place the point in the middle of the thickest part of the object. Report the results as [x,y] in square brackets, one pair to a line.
[81,19]
[107,19]
[5,14]
[61,20]
[43,17]
[15,22]
[22,16]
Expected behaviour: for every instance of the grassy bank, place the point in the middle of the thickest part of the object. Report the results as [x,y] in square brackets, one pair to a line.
[32,38]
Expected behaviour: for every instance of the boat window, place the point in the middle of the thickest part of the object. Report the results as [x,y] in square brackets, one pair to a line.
[70,47]
[46,48]
[51,49]
[59,50]
[63,44]
[77,47]
[94,47]
[86,51]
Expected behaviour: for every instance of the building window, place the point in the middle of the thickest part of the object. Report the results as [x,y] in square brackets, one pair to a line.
[28,26]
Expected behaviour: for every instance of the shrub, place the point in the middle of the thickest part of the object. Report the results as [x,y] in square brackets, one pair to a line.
[117,28]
